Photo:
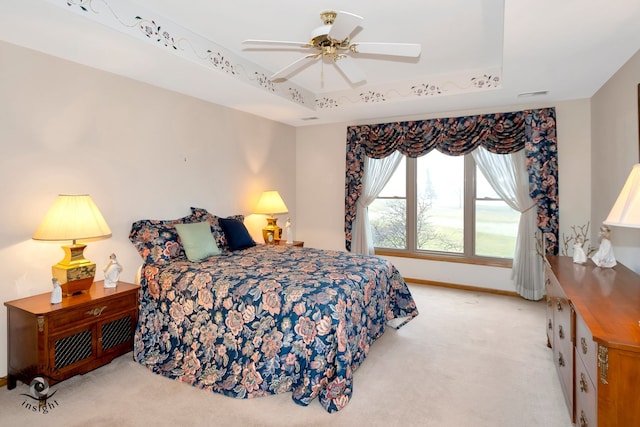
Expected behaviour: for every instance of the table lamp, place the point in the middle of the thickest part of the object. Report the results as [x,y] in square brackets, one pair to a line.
[73,217]
[271,204]
[626,210]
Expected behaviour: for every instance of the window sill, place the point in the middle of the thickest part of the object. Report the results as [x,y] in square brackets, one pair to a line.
[492,262]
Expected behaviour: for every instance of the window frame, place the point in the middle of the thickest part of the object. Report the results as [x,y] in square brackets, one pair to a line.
[468,255]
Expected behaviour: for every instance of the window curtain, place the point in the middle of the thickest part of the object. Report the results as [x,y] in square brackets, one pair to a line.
[379,171]
[533,131]
[507,175]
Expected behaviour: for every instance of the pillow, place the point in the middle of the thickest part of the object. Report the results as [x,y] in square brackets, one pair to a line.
[197,240]
[236,234]
[157,241]
[201,214]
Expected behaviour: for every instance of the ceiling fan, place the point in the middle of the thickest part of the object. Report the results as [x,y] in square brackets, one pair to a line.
[332,41]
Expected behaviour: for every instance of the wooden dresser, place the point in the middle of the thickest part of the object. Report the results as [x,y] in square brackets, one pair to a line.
[593,327]
[79,334]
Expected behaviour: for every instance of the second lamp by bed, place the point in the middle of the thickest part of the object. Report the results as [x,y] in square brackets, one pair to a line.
[271,204]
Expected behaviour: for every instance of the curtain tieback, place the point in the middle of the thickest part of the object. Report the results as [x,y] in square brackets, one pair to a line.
[529,208]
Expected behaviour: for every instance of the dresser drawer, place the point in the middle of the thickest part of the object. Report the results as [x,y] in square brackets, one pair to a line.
[549,292]
[586,400]
[562,319]
[563,359]
[563,347]
[586,348]
[89,313]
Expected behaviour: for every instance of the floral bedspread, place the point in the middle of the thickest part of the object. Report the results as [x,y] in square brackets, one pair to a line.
[268,319]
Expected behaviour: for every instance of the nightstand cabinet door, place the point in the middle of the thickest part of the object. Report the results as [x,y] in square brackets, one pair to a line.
[69,350]
[116,333]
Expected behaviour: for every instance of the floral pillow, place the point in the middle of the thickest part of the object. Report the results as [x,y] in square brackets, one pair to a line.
[218,234]
[157,241]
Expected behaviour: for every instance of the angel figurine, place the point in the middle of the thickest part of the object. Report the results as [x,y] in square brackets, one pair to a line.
[287,227]
[604,257]
[579,257]
[56,295]
[112,272]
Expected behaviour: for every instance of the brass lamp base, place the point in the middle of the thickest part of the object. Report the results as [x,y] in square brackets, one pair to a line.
[75,273]
[271,232]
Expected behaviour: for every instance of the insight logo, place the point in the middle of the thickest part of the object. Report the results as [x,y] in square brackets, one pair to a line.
[39,392]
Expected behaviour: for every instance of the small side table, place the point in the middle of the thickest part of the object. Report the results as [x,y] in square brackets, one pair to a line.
[79,334]
[299,243]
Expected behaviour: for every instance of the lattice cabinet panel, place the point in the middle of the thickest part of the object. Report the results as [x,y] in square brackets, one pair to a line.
[72,349]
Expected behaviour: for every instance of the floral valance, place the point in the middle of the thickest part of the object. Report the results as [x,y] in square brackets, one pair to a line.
[501,133]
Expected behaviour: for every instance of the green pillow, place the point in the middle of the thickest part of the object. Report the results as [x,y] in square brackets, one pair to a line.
[197,240]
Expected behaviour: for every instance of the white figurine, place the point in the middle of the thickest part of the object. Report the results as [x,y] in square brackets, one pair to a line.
[56,295]
[112,272]
[579,257]
[604,257]
[287,226]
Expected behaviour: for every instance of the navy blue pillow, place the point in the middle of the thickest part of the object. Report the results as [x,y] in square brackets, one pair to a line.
[237,235]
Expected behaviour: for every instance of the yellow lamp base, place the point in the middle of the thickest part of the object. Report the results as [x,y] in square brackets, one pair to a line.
[75,273]
[271,232]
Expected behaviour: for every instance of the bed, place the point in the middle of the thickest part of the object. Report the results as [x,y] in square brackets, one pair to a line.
[263,319]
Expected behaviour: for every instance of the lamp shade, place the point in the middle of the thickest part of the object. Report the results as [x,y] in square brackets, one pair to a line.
[271,203]
[73,217]
[626,210]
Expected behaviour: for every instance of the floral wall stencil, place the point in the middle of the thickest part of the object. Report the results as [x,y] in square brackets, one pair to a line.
[142,24]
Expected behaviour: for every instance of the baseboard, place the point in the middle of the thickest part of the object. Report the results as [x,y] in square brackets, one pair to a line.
[3,381]
[461,287]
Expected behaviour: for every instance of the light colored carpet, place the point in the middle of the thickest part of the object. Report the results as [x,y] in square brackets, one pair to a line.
[468,359]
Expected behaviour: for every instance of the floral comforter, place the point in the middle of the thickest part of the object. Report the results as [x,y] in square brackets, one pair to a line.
[268,319]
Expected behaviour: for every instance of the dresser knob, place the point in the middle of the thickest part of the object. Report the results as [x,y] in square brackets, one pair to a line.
[583,344]
[561,359]
[583,383]
[583,420]
[560,332]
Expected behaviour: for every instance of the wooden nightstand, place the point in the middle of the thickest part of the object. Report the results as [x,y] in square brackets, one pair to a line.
[79,334]
[295,243]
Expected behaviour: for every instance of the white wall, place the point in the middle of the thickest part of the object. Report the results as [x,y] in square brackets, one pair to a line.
[614,125]
[140,151]
[321,152]
[144,152]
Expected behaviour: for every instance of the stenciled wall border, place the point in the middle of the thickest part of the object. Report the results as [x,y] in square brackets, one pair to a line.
[148,26]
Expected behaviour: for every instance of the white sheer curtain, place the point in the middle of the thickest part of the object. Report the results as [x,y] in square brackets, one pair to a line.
[507,174]
[377,173]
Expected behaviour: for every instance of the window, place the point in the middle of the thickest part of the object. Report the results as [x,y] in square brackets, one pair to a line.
[442,205]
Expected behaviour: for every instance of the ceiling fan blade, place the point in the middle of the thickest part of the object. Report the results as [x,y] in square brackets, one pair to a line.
[294,66]
[344,24]
[349,68]
[278,43]
[396,49]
